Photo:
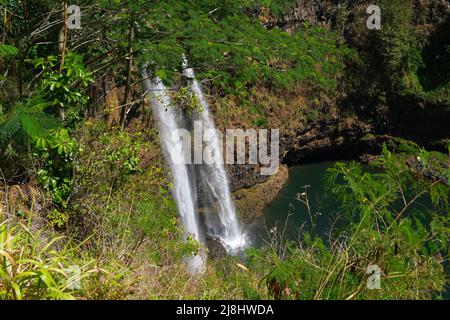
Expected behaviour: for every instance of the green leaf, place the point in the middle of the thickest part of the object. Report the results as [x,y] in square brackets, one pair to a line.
[7,51]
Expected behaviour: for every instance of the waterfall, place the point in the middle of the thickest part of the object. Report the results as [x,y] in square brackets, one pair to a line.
[183,191]
[213,174]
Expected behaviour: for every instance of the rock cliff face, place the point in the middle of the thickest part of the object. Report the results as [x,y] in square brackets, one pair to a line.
[250,202]
[322,139]
[337,138]
[329,138]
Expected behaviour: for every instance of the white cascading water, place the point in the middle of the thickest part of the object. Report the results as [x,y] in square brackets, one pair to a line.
[214,174]
[183,190]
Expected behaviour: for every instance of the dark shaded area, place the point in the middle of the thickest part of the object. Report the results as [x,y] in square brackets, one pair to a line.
[436,57]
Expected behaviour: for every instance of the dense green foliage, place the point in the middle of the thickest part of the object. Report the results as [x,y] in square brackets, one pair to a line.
[402,57]
[233,50]
[56,151]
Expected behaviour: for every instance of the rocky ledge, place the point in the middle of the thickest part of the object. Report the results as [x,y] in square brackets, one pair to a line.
[250,202]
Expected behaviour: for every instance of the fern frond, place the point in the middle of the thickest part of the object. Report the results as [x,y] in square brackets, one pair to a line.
[37,125]
[8,51]
[26,121]
[37,105]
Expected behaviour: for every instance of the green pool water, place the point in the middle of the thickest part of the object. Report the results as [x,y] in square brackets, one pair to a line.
[287,213]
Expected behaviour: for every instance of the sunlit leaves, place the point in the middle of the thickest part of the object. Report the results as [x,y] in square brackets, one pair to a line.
[232,49]
[64,86]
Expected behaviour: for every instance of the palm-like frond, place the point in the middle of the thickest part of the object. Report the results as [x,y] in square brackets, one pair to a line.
[26,121]
[37,105]
[7,51]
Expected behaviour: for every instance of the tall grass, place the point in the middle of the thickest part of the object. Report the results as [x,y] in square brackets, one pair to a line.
[37,265]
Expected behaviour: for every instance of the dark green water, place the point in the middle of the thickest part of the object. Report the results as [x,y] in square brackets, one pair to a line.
[287,213]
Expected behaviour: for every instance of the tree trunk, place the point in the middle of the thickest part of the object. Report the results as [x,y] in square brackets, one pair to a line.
[5,25]
[126,96]
[62,43]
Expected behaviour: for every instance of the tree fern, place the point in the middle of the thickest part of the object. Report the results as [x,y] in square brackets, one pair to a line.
[26,121]
[7,51]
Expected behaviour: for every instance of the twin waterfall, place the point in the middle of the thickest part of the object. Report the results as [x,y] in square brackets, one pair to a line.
[201,186]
